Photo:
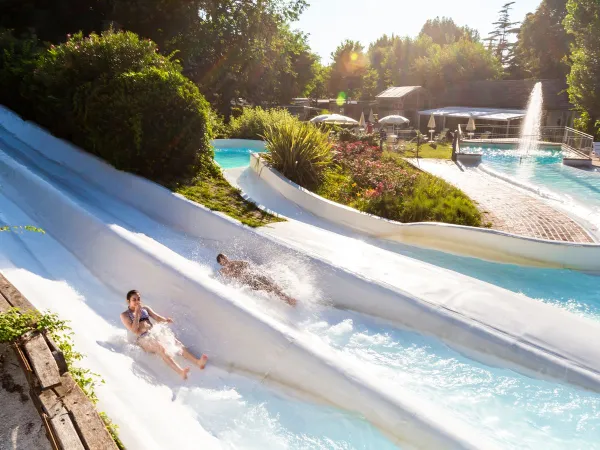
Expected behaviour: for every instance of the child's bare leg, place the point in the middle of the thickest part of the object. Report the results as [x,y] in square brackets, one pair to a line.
[200,362]
[154,347]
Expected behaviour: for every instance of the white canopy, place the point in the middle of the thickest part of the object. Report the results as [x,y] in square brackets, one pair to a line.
[476,113]
[393,120]
[337,119]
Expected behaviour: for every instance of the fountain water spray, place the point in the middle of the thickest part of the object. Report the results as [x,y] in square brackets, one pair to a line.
[531,129]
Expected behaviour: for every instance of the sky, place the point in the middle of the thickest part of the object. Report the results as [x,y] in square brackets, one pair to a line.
[329,22]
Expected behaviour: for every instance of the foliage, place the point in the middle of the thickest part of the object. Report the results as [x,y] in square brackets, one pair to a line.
[318,86]
[153,123]
[442,151]
[583,23]
[213,191]
[498,38]
[229,48]
[454,63]
[14,324]
[347,135]
[117,97]
[444,31]
[25,227]
[347,70]
[17,62]
[217,124]
[113,429]
[543,44]
[383,184]
[253,122]
[299,150]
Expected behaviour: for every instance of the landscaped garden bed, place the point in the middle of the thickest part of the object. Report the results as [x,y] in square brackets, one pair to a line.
[362,176]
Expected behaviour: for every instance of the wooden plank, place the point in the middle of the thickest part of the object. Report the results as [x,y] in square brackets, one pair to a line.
[50,433]
[91,427]
[14,297]
[65,433]
[4,305]
[42,361]
[51,404]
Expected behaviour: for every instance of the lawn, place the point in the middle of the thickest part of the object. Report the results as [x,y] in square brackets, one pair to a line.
[443,151]
[214,192]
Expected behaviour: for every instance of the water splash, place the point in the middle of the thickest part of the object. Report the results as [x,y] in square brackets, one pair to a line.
[531,129]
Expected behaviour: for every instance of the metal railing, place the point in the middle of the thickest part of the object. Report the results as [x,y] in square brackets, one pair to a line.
[578,141]
[570,140]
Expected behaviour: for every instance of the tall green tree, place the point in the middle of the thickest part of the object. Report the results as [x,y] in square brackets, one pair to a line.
[348,69]
[583,23]
[543,44]
[499,38]
[444,31]
[455,63]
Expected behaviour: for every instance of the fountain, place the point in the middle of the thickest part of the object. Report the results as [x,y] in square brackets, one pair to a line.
[531,130]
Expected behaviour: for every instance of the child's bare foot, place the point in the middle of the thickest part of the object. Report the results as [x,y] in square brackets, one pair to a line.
[184,373]
[202,361]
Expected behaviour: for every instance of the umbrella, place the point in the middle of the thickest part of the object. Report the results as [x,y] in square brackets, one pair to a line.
[394,120]
[371,117]
[336,119]
[471,124]
[431,124]
[362,123]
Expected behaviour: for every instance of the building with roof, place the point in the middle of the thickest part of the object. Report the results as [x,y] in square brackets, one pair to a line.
[508,98]
[403,101]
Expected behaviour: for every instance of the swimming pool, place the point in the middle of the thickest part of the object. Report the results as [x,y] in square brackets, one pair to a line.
[575,187]
[231,158]
[234,153]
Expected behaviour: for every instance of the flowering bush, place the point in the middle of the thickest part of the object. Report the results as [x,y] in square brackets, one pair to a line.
[383,184]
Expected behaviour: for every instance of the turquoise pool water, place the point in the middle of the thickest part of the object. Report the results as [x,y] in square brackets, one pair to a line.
[544,169]
[231,158]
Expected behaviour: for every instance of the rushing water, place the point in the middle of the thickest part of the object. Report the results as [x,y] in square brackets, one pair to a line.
[531,129]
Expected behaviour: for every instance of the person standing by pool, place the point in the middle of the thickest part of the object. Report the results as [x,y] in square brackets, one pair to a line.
[243,272]
[136,319]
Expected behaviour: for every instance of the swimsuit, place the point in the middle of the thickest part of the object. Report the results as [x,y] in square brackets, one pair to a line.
[143,316]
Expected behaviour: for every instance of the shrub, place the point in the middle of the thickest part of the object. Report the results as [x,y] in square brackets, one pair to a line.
[118,98]
[152,123]
[383,184]
[253,122]
[298,150]
[17,62]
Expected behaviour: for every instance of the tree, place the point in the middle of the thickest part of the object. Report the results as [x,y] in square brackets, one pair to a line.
[348,69]
[444,31]
[583,23]
[455,63]
[543,44]
[498,39]
[53,20]
[318,87]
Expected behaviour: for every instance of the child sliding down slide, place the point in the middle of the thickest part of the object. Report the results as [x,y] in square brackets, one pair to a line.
[136,319]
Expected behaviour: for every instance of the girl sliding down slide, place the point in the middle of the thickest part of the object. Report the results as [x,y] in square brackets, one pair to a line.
[136,319]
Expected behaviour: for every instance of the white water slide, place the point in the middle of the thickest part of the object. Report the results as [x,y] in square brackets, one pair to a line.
[340,371]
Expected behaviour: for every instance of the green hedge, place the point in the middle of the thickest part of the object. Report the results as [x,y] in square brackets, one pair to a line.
[253,122]
[115,96]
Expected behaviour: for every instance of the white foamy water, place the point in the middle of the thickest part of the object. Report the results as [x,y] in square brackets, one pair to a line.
[531,129]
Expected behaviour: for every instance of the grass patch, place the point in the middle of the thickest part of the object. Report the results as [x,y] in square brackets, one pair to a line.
[215,192]
[443,151]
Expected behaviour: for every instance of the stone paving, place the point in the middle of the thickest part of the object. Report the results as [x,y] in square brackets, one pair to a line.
[507,207]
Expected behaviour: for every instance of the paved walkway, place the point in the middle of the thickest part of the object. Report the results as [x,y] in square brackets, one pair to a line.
[507,207]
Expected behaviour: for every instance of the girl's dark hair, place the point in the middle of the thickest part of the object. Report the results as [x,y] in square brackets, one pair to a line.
[220,256]
[131,293]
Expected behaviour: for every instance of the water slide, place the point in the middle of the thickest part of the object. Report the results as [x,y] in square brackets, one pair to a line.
[102,242]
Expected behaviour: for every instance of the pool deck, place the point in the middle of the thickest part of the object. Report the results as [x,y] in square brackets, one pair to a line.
[507,207]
